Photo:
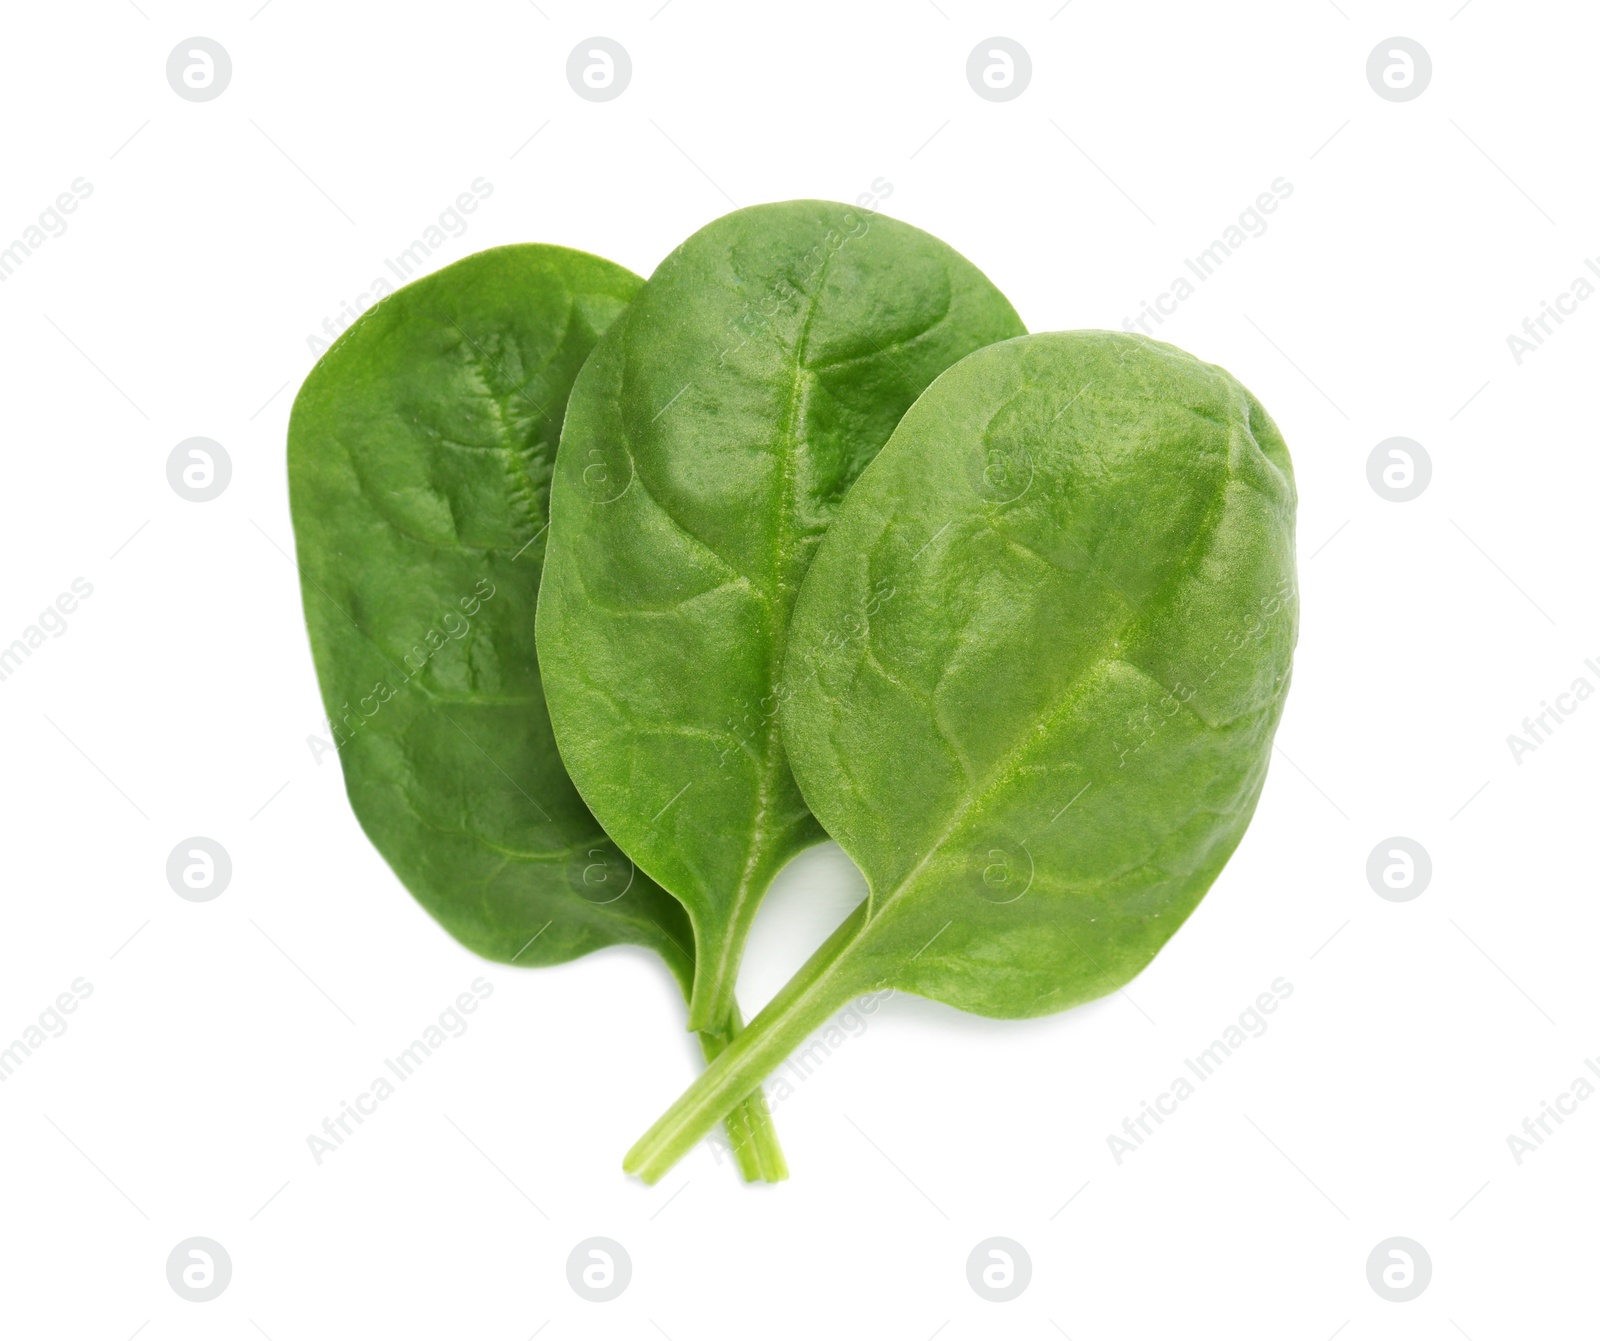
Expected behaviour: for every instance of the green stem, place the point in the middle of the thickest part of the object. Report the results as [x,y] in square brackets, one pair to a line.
[764,1137]
[716,968]
[737,1120]
[749,1123]
[827,983]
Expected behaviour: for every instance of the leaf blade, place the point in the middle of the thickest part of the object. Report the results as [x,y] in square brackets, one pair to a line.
[1085,666]
[711,438]
[420,450]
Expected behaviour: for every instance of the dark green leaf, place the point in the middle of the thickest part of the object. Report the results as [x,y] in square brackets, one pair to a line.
[420,450]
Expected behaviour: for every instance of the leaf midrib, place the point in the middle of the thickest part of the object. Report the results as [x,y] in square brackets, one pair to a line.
[772,759]
[1130,634]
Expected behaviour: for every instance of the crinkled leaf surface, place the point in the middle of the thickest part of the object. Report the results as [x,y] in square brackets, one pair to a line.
[1067,598]
[1032,681]
[420,452]
[708,445]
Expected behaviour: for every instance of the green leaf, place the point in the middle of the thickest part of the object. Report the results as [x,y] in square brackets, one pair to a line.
[420,451]
[710,441]
[1033,678]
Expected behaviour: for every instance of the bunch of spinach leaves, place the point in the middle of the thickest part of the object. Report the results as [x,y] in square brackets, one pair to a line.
[829,547]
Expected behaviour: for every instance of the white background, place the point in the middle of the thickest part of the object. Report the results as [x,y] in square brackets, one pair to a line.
[179,700]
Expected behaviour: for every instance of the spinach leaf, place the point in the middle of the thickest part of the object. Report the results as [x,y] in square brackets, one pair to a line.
[708,444]
[420,451]
[1031,686]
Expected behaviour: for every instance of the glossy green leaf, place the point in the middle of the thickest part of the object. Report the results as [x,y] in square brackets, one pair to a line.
[709,443]
[420,452]
[1032,683]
